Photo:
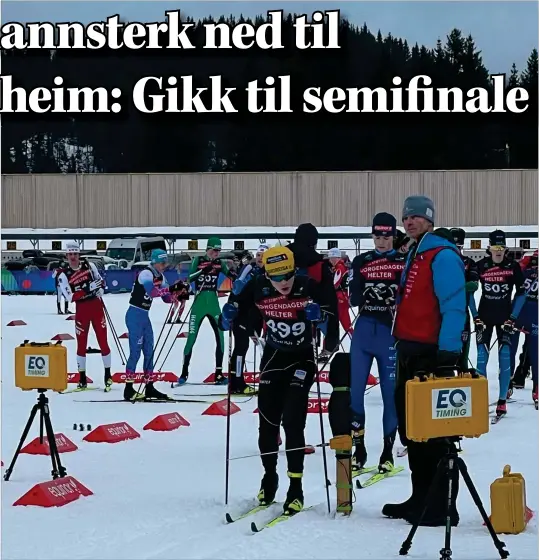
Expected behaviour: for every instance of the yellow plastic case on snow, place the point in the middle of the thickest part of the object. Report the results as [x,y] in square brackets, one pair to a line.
[446,407]
[41,365]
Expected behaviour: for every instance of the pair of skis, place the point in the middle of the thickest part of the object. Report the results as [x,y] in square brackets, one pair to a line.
[387,470]
[257,528]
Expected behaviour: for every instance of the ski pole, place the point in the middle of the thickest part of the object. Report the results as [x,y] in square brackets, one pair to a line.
[279,451]
[115,336]
[320,415]
[180,311]
[228,398]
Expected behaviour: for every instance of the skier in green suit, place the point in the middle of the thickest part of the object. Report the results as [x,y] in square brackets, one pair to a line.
[204,272]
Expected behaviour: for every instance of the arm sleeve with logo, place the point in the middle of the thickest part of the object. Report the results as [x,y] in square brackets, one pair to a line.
[65,288]
[449,287]
[520,294]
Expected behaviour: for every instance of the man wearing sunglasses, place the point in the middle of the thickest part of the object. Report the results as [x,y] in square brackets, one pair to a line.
[472,284]
[291,306]
[499,277]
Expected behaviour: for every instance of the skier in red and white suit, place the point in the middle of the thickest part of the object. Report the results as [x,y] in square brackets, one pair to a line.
[340,281]
[81,282]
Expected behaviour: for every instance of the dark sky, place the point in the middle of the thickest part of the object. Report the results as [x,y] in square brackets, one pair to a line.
[505,31]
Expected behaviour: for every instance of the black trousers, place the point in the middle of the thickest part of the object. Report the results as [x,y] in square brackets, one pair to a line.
[243,329]
[283,395]
[423,457]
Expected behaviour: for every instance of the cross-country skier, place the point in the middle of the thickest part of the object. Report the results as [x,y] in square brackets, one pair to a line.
[499,276]
[522,370]
[341,280]
[81,282]
[429,318]
[311,263]
[246,325]
[287,368]
[472,284]
[375,279]
[59,294]
[149,284]
[204,272]
[527,319]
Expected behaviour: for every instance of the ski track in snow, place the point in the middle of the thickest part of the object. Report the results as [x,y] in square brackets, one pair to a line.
[162,496]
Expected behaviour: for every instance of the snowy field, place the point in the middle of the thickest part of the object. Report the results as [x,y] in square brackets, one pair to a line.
[162,496]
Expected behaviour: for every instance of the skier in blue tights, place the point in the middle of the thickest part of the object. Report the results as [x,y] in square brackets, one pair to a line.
[499,276]
[526,315]
[375,278]
[149,284]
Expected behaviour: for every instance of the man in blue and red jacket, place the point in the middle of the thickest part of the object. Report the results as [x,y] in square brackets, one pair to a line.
[429,319]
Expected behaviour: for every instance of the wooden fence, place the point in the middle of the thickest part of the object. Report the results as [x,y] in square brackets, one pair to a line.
[464,198]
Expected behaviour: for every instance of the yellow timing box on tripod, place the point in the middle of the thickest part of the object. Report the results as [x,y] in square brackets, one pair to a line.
[446,407]
[41,365]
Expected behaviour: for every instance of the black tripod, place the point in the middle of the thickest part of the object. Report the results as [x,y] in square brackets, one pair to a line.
[42,405]
[450,466]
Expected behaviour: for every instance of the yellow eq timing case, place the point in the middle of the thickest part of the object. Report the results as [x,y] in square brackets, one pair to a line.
[41,365]
[446,407]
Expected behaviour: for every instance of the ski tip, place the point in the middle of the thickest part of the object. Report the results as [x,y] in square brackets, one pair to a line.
[228,518]
[254,528]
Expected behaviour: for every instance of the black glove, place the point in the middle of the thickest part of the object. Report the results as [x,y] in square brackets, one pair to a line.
[509,329]
[180,290]
[208,268]
[479,330]
[446,363]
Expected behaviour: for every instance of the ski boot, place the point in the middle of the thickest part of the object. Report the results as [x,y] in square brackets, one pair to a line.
[220,379]
[534,396]
[268,488]
[108,380]
[359,458]
[83,382]
[184,376]
[130,394]
[294,497]
[66,309]
[387,462]
[59,308]
[501,408]
[152,393]
[510,390]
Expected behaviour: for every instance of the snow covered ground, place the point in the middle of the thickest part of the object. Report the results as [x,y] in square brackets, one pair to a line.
[162,496]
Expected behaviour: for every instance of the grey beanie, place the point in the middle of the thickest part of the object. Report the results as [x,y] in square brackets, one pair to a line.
[419,205]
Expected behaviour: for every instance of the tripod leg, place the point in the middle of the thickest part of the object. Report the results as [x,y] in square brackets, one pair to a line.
[452,471]
[9,470]
[57,469]
[500,545]
[405,547]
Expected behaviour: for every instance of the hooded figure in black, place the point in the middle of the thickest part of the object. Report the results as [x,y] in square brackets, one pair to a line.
[311,263]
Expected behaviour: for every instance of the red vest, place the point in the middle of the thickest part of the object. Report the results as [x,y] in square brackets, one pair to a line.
[417,317]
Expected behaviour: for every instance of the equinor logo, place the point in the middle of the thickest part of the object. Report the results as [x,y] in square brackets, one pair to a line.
[452,403]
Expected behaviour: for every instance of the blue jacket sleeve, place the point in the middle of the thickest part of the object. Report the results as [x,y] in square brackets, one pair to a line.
[449,287]
[357,283]
[518,304]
